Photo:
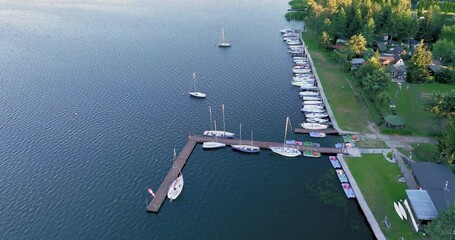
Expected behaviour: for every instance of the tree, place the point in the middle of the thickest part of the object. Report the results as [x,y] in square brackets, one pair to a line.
[355,24]
[376,82]
[368,31]
[358,44]
[325,39]
[442,105]
[382,101]
[445,75]
[443,226]
[426,25]
[417,66]
[410,25]
[339,23]
[448,33]
[443,49]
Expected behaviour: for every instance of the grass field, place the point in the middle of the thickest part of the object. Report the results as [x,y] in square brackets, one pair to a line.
[377,179]
[371,144]
[348,110]
[422,152]
[410,105]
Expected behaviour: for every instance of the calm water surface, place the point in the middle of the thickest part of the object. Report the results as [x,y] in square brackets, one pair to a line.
[93,98]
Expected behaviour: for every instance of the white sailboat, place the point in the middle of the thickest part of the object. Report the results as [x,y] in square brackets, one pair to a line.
[223,42]
[314,126]
[213,144]
[284,150]
[246,148]
[215,133]
[177,185]
[195,93]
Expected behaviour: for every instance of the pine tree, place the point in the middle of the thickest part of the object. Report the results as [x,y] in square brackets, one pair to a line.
[417,67]
[368,31]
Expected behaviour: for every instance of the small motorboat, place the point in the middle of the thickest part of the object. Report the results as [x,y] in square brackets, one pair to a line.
[317,134]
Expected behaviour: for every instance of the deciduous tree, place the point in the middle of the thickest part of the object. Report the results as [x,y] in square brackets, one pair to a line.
[443,49]
[358,44]
[443,226]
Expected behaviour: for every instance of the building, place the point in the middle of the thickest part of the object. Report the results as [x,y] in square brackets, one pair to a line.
[436,191]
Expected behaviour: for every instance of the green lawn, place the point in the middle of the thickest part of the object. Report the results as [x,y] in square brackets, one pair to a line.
[422,152]
[348,110]
[410,105]
[371,144]
[377,179]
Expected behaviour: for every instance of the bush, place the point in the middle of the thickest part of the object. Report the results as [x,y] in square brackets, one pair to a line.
[389,155]
[446,75]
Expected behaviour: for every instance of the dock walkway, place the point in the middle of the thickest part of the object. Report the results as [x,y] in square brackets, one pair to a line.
[160,196]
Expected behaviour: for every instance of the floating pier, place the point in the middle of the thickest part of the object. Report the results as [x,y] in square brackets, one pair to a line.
[160,196]
[327,131]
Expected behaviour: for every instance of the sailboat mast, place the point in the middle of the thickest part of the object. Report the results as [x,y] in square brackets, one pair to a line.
[240,133]
[251,141]
[214,123]
[224,123]
[286,130]
[210,112]
[194,81]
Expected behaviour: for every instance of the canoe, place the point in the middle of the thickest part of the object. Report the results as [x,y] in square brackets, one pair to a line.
[397,209]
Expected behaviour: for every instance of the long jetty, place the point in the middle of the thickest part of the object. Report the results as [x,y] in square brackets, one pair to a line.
[160,196]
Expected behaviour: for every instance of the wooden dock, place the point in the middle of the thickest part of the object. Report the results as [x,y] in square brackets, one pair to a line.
[327,131]
[179,163]
[266,145]
[160,195]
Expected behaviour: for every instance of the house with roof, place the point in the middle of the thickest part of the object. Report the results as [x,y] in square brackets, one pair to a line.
[381,46]
[410,43]
[435,194]
[356,63]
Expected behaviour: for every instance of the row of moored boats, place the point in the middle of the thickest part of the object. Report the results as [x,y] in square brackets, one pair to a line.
[316,116]
[342,176]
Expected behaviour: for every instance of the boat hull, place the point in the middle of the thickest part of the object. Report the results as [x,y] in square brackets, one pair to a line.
[212,145]
[317,134]
[246,148]
[314,126]
[313,154]
[334,161]
[176,188]
[286,151]
[197,94]
[342,176]
[348,190]
[220,134]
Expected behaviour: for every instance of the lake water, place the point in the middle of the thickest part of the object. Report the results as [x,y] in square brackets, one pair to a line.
[94,97]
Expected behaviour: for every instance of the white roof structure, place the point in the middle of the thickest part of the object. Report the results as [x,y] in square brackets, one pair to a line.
[422,205]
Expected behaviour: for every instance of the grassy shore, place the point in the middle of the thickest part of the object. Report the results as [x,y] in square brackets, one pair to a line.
[343,98]
[410,105]
[378,181]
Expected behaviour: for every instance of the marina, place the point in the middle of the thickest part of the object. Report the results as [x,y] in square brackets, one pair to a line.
[103,97]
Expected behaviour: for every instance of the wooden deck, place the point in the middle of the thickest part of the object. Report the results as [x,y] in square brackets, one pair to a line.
[160,196]
[266,145]
[327,131]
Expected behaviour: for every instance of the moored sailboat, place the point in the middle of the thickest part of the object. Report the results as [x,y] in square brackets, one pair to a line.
[215,133]
[246,148]
[177,185]
[284,150]
[213,144]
